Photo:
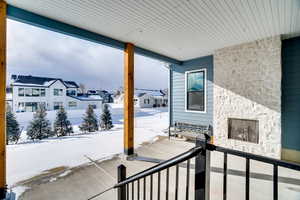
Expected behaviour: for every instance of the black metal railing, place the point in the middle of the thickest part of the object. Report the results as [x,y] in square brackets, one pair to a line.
[147,176]
[248,157]
[142,185]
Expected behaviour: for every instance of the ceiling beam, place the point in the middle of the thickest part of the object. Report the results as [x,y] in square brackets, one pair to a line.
[31,18]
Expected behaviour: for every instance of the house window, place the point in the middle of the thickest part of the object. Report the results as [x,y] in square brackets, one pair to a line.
[93,106]
[146,101]
[28,92]
[42,105]
[21,107]
[35,92]
[57,105]
[31,106]
[72,104]
[71,92]
[43,92]
[58,92]
[21,92]
[195,90]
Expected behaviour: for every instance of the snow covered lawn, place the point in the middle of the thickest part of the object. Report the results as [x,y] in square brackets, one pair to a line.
[28,159]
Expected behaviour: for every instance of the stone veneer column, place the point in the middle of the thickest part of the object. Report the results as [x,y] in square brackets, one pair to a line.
[247,85]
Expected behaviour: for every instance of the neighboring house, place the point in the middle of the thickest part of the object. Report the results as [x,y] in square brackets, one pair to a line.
[105,95]
[145,98]
[29,92]
[150,98]
[249,93]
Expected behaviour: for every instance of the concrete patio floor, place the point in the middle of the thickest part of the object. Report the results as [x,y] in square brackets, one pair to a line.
[87,180]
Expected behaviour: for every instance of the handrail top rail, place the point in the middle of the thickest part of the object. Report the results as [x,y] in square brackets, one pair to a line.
[273,161]
[194,151]
[161,166]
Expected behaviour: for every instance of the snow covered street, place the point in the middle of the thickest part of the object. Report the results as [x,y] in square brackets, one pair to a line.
[28,159]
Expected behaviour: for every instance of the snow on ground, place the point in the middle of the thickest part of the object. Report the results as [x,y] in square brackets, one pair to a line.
[19,190]
[28,159]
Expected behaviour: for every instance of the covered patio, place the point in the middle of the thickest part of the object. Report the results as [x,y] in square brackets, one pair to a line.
[217,38]
[88,180]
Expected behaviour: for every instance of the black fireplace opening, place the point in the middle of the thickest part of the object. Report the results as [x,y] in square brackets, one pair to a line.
[243,129]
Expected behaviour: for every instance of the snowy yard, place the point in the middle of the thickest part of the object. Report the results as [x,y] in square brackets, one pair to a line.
[28,159]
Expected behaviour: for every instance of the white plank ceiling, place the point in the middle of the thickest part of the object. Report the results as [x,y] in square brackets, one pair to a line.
[181,29]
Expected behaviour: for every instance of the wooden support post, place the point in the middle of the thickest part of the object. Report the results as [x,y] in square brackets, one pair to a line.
[2,99]
[128,99]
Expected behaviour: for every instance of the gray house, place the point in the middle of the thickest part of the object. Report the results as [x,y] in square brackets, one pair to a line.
[248,93]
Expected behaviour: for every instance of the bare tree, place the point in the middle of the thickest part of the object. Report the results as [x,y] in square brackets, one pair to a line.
[82,87]
[118,92]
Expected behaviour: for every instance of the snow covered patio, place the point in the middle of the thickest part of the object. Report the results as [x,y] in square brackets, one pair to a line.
[64,183]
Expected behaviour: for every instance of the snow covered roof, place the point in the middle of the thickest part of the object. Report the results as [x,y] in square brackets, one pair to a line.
[142,92]
[87,97]
[71,84]
[21,80]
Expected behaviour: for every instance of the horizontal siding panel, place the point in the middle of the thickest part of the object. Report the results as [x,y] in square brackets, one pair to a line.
[178,113]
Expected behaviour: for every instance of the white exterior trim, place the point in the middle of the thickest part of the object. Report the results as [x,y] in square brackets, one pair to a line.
[185,90]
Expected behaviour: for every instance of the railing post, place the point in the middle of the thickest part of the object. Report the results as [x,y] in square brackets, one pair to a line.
[121,177]
[202,171]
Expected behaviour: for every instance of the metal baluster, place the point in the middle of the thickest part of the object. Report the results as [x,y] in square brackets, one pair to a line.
[275,182]
[132,190]
[167,184]
[138,192]
[225,177]
[127,191]
[187,179]
[144,189]
[151,187]
[176,182]
[247,178]
[158,186]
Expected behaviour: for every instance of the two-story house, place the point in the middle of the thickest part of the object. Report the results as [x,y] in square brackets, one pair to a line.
[31,91]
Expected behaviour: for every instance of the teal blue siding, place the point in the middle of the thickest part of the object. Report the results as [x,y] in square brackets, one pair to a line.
[177,93]
[291,94]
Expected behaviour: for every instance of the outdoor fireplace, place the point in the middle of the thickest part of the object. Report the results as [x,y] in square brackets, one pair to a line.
[243,129]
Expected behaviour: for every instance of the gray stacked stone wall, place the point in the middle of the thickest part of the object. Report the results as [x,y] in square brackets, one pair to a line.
[247,85]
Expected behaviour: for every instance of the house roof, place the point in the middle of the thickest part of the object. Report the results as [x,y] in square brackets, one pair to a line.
[87,97]
[71,84]
[178,29]
[142,92]
[29,80]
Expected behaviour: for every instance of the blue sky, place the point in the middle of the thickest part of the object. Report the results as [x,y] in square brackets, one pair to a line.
[38,52]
